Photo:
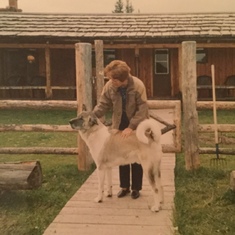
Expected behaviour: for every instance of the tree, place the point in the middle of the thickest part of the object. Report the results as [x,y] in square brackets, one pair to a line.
[119,7]
[129,7]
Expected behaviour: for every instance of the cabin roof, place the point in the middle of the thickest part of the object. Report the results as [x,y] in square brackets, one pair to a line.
[202,26]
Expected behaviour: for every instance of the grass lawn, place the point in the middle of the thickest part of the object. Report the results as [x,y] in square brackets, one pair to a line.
[30,212]
[204,204]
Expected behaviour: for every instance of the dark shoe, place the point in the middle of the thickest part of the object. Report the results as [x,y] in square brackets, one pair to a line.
[123,192]
[135,194]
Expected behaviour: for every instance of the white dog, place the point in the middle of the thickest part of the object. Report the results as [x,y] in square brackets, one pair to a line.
[109,149]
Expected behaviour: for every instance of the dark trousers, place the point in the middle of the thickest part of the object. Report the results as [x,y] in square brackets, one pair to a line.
[134,170]
[136,176]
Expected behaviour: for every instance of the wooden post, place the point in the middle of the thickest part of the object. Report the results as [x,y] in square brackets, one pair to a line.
[189,95]
[232,180]
[180,68]
[84,95]
[48,73]
[99,55]
[137,54]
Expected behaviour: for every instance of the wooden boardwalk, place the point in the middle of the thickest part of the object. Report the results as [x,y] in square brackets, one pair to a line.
[81,215]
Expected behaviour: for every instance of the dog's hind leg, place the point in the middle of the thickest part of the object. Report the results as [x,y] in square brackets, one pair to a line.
[154,177]
[109,182]
[101,178]
[158,191]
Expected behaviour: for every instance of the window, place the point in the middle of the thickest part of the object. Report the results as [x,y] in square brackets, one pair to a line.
[201,56]
[109,55]
[161,61]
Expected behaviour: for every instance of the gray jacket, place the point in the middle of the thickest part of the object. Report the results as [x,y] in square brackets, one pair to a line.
[136,103]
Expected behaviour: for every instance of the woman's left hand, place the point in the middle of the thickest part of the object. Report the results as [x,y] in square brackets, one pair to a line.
[126,132]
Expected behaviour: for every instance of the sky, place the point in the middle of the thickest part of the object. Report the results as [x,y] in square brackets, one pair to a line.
[107,6]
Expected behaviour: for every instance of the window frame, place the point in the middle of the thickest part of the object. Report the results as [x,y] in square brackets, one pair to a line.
[163,61]
[201,52]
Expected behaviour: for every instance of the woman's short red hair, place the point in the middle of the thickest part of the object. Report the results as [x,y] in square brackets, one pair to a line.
[117,69]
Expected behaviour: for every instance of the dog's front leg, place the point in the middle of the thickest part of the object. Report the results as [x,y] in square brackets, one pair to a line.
[109,182]
[101,178]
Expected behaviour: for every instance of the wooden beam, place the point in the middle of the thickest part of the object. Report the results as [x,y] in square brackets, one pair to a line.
[38,150]
[163,104]
[140,45]
[219,105]
[36,45]
[36,128]
[137,54]
[232,180]
[37,87]
[177,132]
[180,68]
[99,58]
[227,151]
[221,128]
[39,105]
[216,45]
[106,45]
[48,73]
[116,45]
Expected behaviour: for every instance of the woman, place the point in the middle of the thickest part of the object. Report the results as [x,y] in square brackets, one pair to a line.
[126,96]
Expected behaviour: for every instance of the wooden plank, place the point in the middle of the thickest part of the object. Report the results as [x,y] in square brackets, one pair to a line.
[134,218]
[144,202]
[89,203]
[113,229]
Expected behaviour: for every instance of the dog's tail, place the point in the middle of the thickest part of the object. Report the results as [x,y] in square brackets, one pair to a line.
[147,131]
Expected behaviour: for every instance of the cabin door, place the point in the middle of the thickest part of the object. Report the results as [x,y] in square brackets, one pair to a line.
[161,74]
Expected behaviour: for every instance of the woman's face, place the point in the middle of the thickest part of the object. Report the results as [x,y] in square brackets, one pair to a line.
[117,83]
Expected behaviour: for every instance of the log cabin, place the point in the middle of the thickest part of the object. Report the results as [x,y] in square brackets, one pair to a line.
[37,51]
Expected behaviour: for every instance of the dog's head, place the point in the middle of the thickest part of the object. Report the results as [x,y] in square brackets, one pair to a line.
[84,121]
